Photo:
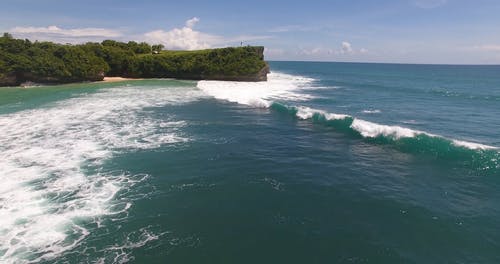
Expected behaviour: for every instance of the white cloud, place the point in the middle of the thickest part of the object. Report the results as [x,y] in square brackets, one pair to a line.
[191,22]
[488,47]
[57,34]
[183,38]
[291,28]
[177,38]
[189,39]
[346,48]
[345,51]
[77,32]
[317,51]
[273,53]
[428,4]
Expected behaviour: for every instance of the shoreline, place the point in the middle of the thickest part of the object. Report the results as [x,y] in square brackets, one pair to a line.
[118,79]
[104,80]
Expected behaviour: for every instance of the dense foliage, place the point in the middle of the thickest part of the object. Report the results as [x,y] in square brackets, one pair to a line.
[227,63]
[23,60]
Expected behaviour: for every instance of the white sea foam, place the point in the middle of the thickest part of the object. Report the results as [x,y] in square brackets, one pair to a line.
[50,159]
[287,87]
[279,86]
[316,87]
[376,111]
[369,129]
[472,145]
[410,122]
[121,253]
[307,113]
[372,130]
[365,128]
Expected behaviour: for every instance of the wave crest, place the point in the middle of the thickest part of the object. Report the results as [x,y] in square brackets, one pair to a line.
[288,87]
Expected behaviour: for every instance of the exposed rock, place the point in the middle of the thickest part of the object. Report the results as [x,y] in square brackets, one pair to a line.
[8,80]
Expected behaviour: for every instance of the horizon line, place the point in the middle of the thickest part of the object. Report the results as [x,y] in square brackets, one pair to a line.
[397,63]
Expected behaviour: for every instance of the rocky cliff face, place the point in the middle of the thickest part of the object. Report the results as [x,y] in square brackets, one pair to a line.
[8,80]
[16,80]
[260,76]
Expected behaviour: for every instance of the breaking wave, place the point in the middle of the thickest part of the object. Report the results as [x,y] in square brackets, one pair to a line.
[51,162]
[283,87]
[279,86]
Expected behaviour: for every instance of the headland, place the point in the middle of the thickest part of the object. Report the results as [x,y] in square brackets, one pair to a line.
[24,61]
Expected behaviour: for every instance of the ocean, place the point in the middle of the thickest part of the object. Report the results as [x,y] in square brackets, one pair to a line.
[323,163]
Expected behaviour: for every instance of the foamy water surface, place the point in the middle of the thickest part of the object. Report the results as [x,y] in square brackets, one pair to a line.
[50,160]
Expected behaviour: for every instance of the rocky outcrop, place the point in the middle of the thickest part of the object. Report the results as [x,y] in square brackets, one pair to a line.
[8,80]
[19,79]
[260,76]
[29,77]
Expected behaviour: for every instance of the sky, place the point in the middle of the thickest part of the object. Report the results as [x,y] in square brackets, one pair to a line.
[394,31]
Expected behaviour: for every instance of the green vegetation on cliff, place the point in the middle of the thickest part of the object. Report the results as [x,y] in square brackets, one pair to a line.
[47,62]
[242,63]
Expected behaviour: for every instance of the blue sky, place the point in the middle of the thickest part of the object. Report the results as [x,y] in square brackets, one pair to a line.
[404,31]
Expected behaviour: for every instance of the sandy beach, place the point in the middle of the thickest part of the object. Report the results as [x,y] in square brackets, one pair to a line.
[119,79]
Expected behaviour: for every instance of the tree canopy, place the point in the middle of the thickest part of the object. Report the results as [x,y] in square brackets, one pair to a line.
[23,60]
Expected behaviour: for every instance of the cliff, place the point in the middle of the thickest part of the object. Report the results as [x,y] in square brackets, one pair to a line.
[47,62]
[232,64]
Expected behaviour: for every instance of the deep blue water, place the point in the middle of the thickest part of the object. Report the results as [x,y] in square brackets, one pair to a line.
[324,163]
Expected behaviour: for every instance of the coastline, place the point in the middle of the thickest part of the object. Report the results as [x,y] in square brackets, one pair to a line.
[223,64]
[119,79]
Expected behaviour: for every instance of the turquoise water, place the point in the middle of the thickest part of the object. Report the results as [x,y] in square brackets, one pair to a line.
[324,163]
